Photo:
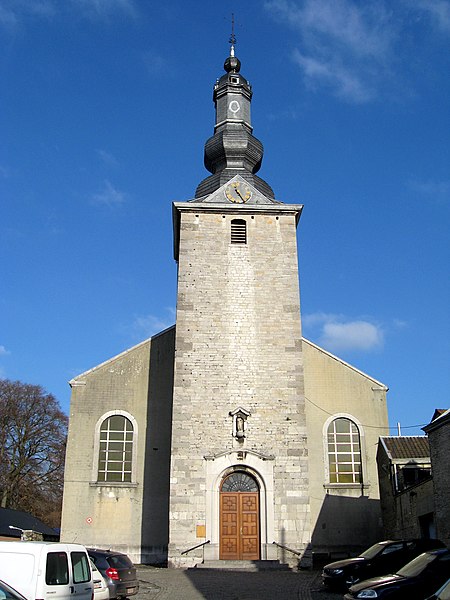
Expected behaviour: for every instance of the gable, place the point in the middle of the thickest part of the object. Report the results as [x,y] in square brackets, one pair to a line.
[315,350]
[124,357]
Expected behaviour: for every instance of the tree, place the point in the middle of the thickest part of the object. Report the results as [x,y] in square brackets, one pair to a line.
[33,431]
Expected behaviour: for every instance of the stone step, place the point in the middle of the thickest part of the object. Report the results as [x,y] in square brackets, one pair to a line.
[244,565]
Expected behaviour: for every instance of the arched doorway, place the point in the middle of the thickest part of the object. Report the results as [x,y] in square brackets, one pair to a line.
[239,517]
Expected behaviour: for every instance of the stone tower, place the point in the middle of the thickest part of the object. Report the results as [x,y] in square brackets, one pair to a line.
[239,465]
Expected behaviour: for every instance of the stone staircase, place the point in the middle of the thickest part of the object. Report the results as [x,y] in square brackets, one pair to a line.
[244,565]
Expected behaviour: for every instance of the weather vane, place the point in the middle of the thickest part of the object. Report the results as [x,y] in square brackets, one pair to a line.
[232,36]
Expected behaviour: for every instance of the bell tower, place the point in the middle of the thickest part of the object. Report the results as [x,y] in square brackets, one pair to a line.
[239,426]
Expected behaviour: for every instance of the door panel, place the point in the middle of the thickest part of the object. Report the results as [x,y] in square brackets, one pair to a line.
[229,523]
[239,526]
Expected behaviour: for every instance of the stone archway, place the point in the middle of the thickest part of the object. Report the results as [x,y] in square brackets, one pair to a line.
[239,517]
[260,468]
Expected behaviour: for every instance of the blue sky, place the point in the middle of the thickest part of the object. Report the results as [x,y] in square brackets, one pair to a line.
[105,106]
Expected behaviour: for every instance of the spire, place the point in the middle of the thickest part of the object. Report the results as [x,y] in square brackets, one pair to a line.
[232,36]
[232,150]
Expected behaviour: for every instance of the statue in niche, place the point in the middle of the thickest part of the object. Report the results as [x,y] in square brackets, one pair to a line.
[240,426]
[240,416]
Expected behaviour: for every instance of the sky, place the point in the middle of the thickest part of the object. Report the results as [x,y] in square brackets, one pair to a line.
[105,106]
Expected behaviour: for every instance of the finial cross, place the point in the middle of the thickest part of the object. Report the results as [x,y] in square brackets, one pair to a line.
[232,36]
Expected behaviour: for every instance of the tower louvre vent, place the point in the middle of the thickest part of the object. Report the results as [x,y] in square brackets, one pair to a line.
[238,231]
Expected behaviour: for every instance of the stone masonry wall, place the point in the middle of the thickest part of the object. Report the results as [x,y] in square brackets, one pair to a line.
[238,344]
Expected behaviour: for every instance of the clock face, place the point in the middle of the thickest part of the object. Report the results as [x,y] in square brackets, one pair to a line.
[234,106]
[238,192]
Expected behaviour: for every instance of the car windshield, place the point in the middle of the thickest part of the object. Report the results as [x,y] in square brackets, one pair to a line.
[416,566]
[373,551]
[444,592]
[6,593]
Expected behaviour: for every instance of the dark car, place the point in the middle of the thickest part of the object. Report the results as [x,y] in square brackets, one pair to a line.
[415,581]
[443,592]
[381,558]
[9,593]
[118,571]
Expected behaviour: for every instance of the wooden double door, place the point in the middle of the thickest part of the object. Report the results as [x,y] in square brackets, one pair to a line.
[239,526]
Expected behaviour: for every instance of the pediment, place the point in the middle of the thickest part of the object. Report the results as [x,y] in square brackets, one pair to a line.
[222,195]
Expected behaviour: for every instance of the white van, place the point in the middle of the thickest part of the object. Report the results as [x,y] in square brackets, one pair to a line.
[47,570]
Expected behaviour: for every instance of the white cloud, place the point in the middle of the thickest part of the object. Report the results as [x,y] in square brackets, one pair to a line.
[346,85]
[155,63]
[343,45]
[13,12]
[148,325]
[108,158]
[4,351]
[109,196]
[104,8]
[400,324]
[433,189]
[318,318]
[437,10]
[8,17]
[355,335]
[5,172]
[337,333]
[359,28]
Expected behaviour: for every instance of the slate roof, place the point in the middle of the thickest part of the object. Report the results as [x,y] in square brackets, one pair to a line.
[441,418]
[23,520]
[401,447]
[439,412]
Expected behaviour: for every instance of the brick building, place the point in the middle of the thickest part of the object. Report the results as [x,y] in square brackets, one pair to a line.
[230,432]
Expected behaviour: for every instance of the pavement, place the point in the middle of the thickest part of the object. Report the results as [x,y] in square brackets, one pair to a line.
[209,584]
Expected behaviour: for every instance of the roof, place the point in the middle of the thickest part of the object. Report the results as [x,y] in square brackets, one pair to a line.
[406,447]
[440,418]
[438,413]
[22,520]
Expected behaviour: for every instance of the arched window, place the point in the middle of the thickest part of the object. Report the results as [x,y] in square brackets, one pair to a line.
[344,452]
[115,456]
[239,482]
[238,231]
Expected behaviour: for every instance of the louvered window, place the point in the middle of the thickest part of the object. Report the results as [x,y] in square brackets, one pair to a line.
[238,231]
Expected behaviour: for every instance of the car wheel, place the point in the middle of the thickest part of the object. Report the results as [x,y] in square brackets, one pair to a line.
[352,579]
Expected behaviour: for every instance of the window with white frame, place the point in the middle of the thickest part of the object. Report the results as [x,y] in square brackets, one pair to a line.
[344,452]
[115,456]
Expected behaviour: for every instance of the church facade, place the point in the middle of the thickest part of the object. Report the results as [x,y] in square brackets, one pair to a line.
[228,436]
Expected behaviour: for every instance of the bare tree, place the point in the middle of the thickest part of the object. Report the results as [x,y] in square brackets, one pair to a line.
[33,432]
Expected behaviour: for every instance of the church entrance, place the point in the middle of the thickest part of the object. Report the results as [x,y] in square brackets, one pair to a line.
[239,517]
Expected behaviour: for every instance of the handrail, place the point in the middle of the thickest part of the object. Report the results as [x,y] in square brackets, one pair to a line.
[197,546]
[286,548]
